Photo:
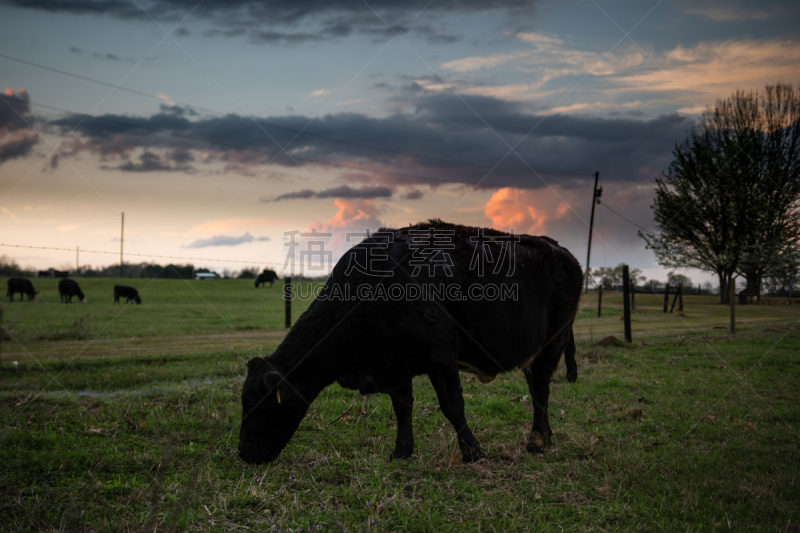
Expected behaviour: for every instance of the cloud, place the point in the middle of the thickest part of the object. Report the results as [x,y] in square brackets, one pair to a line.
[413,194]
[17,138]
[421,147]
[514,208]
[704,71]
[712,70]
[226,240]
[328,20]
[150,162]
[343,191]
[729,13]
[354,217]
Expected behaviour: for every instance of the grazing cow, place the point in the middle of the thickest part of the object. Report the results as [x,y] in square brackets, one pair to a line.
[266,276]
[67,288]
[393,309]
[128,292]
[21,285]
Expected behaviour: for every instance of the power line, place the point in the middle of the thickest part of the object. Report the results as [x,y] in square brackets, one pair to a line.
[141,255]
[623,218]
[261,122]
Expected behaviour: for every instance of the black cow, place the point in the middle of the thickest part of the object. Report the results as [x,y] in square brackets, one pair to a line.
[21,285]
[67,288]
[128,292]
[368,332]
[268,276]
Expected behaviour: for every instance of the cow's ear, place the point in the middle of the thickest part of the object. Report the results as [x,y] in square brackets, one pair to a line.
[273,380]
[255,364]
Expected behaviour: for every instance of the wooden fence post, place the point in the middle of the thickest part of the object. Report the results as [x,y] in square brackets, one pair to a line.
[626,303]
[287,297]
[666,297]
[599,300]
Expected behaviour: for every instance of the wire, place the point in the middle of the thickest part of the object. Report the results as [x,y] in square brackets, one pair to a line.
[140,255]
[264,123]
[623,218]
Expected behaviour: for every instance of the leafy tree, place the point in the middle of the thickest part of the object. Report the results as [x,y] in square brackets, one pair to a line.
[678,279]
[247,274]
[612,277]
[729,202]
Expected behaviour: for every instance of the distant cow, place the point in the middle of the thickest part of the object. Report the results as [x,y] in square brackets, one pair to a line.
[367,331]
[68,288]
[22,286]
[266,276]
[128,292]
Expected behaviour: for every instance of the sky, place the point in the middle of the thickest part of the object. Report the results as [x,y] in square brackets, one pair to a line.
[221,127]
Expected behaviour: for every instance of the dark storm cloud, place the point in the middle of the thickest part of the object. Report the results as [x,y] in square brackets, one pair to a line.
[342,191]
[413,194]
[333,18]
[17,146]
[226,240]
[444,139]
[14,109]
[17,138]
[150,162]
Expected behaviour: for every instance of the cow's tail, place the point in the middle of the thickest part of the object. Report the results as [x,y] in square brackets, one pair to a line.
[569,358]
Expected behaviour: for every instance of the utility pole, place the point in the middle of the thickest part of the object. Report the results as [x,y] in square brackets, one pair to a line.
[595,199]
[121,241]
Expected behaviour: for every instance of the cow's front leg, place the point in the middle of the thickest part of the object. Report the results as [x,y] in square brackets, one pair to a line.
[403,403]
[539,387]
[447,384]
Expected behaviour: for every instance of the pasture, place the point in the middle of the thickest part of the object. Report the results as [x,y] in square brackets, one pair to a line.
[126,418]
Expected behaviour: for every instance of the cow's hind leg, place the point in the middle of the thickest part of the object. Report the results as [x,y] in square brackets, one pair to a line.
[538,375]
[447,384]
[403,403]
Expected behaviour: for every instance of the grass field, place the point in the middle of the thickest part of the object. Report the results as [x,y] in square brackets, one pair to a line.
[126,418]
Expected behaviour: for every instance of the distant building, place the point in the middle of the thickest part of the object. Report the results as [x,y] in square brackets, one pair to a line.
[205,275]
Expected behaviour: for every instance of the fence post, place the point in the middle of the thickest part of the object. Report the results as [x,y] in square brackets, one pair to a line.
[626,303]
[666,297]
[287,297]
[732,291]
[599,300]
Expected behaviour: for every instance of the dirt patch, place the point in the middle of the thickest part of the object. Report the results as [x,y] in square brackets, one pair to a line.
[611,340]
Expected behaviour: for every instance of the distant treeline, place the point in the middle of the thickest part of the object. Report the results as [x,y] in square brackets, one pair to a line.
[10,268]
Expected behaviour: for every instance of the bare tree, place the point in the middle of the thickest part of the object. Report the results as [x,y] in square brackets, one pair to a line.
[729,201]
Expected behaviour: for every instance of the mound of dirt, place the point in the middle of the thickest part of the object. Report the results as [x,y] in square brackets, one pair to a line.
[611,340]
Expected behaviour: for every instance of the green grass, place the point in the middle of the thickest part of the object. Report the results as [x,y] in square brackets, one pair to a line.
[121,442]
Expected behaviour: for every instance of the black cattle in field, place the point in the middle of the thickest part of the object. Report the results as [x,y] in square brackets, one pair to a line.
[128,292]
[268,276]
[67,288]
[21,285]
[367,331]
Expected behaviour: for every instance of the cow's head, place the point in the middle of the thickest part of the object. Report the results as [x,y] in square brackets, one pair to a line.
[271,412]
[137,299]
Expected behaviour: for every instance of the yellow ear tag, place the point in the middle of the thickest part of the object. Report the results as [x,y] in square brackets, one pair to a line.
[279,395]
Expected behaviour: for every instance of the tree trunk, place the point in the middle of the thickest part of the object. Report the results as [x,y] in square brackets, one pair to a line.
[723,287]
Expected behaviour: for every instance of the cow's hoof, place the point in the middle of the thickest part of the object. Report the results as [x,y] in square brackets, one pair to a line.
[537,442]
[400,454]
[473,456]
